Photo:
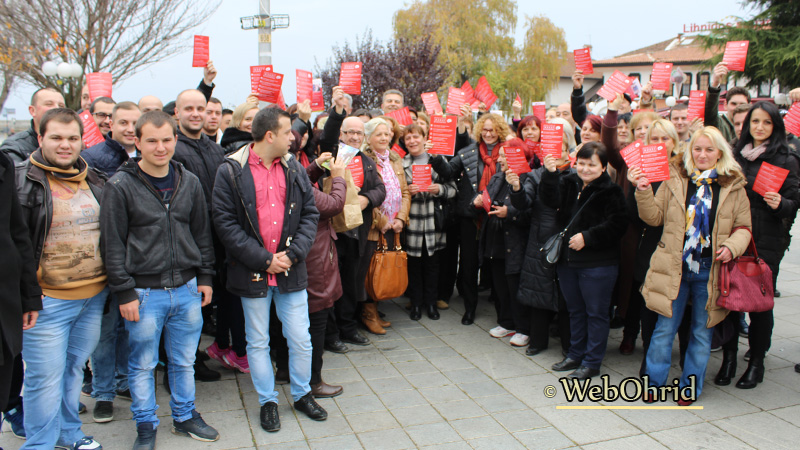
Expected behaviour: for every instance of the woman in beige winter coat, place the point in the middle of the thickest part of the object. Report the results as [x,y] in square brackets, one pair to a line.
[699,207]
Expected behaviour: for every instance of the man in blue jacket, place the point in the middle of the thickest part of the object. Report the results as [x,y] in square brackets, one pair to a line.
[264,213]
[108,155]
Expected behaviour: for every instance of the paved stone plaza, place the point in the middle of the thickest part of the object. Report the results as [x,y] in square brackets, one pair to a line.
[442,385]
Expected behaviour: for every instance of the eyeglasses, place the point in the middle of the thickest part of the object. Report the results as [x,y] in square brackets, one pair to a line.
[102,116]
[353,133]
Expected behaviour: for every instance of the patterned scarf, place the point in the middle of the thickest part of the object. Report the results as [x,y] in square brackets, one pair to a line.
[698,233]
[394,195]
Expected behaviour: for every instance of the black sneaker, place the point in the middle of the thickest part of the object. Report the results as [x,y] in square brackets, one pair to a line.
[125,395]
[103,412]
[203,373]
[195,428]
[308,406]
[270,421]
[336,347]
[355,338]
[146,440]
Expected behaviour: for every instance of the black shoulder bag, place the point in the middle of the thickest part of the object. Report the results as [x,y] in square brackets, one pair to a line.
[552,246]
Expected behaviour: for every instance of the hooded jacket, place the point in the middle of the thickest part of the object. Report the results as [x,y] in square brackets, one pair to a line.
[668,209]
[147,244]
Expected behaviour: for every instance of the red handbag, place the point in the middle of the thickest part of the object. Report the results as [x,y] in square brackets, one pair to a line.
[745,283]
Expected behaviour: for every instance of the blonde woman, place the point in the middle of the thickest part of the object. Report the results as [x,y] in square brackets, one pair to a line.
[699,207]
[238,134]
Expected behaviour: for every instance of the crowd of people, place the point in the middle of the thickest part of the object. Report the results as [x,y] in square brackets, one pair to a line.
[191,218]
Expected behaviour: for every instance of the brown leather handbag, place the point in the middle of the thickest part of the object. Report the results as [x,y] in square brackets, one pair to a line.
[387,277]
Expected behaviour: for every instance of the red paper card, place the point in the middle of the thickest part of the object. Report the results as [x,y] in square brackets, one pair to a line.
[769,179]
[350,78]
[99,84]
[661,76]
[431,102]
[552,138]
[443,135]
[487,201]
[518,99]
[201,51]
[421,176]
[697,105]
[736,55]
[632,154]
[269,87]
[255,76]
[583,60]
[399,150]
[470,94]
[539,110]
[281,102]
[655,163]
[484,92]
[617,83]
[305,85]
[517,160]
[455,98]
[317,99]
[792,119]
[402,116]
[91,133]
[534,148]
[357,171]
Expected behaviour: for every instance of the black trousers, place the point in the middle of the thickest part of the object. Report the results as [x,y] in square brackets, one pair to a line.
[230,322]
[423,278]
[12,376]
[511,315]
[540,320]
[353,271]
[468,265]
[316,328]
[448,263]
[633,315]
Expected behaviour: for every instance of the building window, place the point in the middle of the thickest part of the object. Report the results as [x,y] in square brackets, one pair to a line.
[702,81]
[687,85]
[765,89]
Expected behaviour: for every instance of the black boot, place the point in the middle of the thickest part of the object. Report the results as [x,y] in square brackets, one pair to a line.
[753,375]
[728,368]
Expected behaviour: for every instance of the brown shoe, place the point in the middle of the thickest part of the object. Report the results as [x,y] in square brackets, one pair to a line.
[383,323]
[441,304]
[369,316]
[324,390]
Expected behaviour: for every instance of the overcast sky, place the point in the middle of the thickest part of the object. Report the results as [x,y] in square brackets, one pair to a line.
[611,27]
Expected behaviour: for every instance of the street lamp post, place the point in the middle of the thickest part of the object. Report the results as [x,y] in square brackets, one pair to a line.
[65,74]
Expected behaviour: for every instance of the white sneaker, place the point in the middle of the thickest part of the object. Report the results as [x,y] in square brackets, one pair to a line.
[519,340]
[500,332]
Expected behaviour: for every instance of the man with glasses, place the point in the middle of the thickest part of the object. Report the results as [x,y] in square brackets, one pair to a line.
[101,110]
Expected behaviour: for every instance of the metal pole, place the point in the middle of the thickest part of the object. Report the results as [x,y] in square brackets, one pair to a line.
[265,35]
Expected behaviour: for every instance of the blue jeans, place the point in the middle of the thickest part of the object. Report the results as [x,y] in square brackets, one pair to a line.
[55,351]
[177,312]
[292,310]
[587,293]
[694,287]
[110,358]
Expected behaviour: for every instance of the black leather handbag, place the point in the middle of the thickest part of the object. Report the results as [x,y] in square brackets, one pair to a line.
[552,246]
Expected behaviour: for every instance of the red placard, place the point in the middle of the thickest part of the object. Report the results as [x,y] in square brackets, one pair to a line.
[255,76]
[281,102]
[534,148]
[431,102]
[617,83]
[583,60]
[660,76]
[552,139]
[402,116]
[470,94]
[317,99]
[539,110]
[399,150]
[91,133]
[517,160]
[655,163]
[269,87]
[350,78]
[99,84]
[518,99]
[357,171]
[443,135]
[736,55]
[697,105]
[305,85]
[792,119]
[769,179]
[201,51]
[421,176]
[487,201]
[455,98]
[484,92]
[632,154]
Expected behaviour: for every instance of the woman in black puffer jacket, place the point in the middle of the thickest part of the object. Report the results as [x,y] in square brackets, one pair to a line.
[763,140]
